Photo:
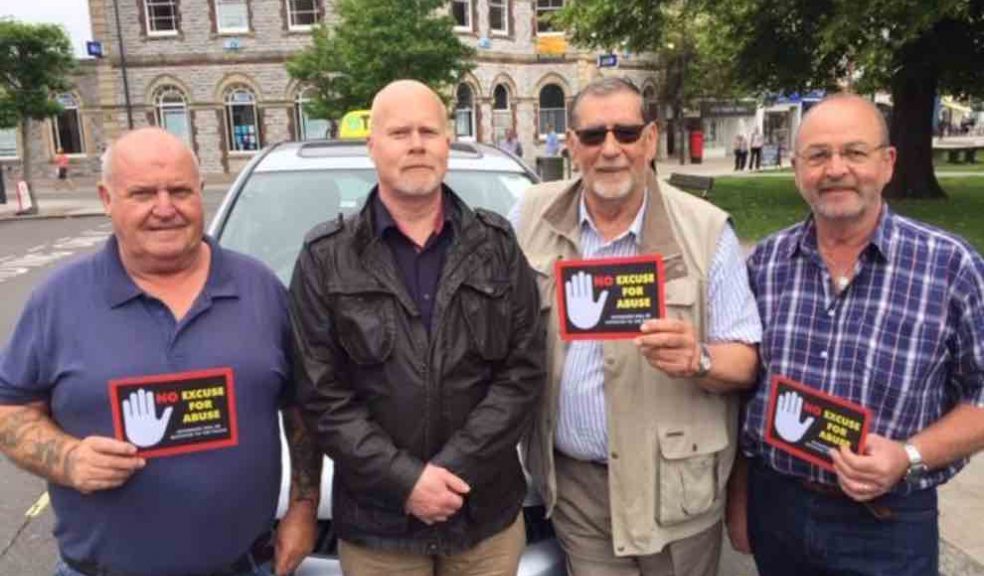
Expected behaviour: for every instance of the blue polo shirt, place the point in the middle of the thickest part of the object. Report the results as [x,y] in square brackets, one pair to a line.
[89,324]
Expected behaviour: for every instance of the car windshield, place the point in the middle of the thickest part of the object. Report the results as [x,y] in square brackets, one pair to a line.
[275,210]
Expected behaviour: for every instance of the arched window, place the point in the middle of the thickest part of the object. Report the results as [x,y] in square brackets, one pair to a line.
[171,110]
[650,103]
[502,116]
[464,113]
[553,109]
[309,128]
[67,126]
[241,119]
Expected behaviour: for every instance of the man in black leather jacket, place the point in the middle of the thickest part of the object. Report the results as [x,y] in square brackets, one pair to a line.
[420,355]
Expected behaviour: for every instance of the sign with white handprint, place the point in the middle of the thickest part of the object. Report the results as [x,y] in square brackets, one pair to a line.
[808,423]
[168,414]
[608,298]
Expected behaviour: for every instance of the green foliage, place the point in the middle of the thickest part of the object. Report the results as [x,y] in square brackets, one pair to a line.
[373,43]
[36,61]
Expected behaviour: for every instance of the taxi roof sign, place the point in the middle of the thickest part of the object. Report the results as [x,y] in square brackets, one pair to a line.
[355,124]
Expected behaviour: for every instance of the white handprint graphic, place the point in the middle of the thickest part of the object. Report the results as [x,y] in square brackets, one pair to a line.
[582,309]
[788,424]
[143,427]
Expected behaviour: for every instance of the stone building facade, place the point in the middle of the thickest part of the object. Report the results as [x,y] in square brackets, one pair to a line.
[213,72]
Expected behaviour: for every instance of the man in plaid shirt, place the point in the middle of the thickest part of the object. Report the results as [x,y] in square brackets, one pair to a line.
[877,309]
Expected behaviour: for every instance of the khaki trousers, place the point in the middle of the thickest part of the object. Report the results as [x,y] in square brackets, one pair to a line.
[583,522]
[497,555]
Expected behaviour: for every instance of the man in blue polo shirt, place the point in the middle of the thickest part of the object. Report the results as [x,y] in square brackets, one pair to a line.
[144,382]
[877,309]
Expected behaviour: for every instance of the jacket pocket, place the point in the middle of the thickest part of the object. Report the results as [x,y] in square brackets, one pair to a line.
[688,471]
[366,325]
[485,306]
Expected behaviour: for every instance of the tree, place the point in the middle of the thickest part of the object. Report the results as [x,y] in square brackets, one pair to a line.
[682,34]
[36,61]
[373,43]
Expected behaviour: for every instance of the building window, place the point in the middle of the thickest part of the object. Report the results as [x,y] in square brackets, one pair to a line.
[309,128]
[553,110]
[67,126]
[231,16]
[162,17]
[545,9]
[464,113]
[172,112]
[302,14]
[8,143]
[651,105]
[502,117]
[461,11]
[243,131]
[499,16]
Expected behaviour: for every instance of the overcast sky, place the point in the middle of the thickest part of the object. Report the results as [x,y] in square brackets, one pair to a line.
[72,14]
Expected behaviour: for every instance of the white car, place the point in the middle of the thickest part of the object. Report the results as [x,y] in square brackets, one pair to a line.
[288,189]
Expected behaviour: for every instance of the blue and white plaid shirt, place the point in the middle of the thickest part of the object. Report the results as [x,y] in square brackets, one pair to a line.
[905,339]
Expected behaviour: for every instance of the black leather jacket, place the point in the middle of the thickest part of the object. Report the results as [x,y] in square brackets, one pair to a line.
[384,399]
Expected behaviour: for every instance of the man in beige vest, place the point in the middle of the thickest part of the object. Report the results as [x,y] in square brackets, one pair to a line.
[635,440]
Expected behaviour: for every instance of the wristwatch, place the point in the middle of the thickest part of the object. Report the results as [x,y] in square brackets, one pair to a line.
[704,363]
[917,468]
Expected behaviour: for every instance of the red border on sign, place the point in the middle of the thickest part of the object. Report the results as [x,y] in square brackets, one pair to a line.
[559,266]
[156,379]
[807,392]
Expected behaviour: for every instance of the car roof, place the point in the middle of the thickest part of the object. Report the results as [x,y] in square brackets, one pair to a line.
[352,154]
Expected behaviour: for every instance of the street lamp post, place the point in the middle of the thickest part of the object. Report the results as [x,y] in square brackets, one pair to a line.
[126,82]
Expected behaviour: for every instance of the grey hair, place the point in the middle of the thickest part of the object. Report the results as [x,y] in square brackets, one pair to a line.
[106,163]
[604,87]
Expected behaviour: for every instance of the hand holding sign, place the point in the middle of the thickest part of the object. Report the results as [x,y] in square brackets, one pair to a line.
[788,423]
[582,309]
[143,427]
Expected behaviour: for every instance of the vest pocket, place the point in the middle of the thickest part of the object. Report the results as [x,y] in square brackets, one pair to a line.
[485,306]
[688,472]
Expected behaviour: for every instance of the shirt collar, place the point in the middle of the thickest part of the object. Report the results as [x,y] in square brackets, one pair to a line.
[882,240]
[120,287]
[383,220]
[635,229]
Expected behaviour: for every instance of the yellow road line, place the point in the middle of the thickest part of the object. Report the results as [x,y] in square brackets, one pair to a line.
[38,507]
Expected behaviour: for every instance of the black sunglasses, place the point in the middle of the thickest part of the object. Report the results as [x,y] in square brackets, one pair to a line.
[623,134]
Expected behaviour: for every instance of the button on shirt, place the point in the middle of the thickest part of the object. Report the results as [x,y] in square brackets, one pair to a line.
[905,339]
[582,425]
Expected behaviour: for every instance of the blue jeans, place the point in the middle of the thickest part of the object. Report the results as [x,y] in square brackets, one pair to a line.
[795,530]
[265,569]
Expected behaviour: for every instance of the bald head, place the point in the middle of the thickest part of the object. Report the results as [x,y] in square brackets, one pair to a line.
[838,105]
[399,95]
[146,146]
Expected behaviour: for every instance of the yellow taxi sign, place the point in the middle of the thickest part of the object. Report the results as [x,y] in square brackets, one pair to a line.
[355,124]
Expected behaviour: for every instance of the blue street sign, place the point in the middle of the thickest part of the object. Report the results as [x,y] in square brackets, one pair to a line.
[94,49]
[607,61]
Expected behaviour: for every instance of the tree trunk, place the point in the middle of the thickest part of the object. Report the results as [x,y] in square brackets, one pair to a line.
[913,95]
[26,164]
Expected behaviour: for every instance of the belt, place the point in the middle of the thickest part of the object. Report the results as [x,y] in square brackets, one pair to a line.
[260,552]
[879,511]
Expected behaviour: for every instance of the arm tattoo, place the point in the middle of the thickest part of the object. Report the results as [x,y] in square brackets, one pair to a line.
[34,442]
[305,458]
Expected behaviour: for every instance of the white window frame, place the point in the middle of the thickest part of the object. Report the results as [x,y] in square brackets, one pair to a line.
[467,26]
[291,25]
[544,10]
[301,117]
[230,103]
[16,155]
[470,111]
[165,101]
[504,6]
[174,19]
[219,4]
[541,126]
[74,107]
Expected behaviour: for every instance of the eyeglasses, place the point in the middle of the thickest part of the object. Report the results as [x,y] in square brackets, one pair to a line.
[856,155]
[623,134]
